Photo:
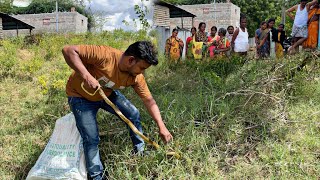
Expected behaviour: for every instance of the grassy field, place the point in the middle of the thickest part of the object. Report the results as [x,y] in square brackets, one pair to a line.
[231,119]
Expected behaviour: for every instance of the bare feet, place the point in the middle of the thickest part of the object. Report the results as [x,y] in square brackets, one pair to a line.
[291,50]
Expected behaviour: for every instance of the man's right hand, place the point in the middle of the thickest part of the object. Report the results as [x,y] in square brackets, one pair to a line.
[71,55]
[91,82]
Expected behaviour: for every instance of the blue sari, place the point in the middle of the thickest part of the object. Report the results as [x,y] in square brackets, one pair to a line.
[264,50]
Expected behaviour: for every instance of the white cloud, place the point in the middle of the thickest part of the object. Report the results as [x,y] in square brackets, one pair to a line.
[21,3]
[116,11]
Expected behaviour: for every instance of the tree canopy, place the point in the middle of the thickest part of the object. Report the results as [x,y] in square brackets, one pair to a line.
[5,5]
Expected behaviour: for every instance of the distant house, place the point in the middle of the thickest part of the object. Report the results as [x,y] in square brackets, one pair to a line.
[8,22]
[67,22]
[220,15]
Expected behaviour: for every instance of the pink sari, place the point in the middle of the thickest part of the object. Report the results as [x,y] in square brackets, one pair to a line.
[213,47]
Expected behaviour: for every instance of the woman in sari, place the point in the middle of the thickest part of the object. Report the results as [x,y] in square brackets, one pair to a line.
[280,39]
[174,47]
[201,36]
[189,43]
[273,34]
[313,25]
[223,44]
[262,41]
[213,39]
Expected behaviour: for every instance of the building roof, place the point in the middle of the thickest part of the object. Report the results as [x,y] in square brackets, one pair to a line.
[175,12]
[11,23]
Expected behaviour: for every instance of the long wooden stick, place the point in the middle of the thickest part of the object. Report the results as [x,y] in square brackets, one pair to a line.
[127,121]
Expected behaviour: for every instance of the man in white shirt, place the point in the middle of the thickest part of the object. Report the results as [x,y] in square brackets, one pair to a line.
[300,25]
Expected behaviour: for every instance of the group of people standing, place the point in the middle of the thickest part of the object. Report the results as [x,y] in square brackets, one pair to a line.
[218,43]
[269,40]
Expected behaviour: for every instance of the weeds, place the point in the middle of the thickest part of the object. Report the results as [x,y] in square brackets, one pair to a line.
[231,119]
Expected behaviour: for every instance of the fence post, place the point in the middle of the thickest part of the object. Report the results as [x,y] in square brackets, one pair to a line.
[1,33]
[319,36]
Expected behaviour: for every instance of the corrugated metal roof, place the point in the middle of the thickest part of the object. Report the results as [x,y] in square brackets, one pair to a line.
[11,23]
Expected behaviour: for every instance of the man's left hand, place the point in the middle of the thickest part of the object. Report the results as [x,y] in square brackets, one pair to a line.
[165,135]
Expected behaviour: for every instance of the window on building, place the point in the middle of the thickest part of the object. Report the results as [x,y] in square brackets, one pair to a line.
[46,21]
[82,22]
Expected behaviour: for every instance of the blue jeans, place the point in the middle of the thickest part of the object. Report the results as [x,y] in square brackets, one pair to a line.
[85,113]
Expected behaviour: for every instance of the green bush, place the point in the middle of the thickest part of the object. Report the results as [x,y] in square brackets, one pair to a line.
[8,57]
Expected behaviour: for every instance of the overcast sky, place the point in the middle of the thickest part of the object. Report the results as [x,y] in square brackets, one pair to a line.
[115,11]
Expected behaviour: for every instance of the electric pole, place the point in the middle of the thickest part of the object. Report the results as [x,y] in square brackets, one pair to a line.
[57,17]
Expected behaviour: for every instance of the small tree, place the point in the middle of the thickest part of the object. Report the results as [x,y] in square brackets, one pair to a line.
[142,12]
[6,6]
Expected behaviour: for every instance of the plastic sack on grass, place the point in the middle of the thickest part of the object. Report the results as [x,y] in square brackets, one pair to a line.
[63,157]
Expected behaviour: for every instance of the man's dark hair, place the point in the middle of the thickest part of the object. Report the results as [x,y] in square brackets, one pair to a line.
[304,1]
[271,20]
[242,16]
[175,30]
[214,27]
[281,25]
[230,27]
[143,50]
[194,28]
[201,24]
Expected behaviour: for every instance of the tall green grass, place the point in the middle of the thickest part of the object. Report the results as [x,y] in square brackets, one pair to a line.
[231,119]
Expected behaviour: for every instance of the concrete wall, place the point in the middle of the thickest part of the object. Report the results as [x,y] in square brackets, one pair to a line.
[46,23]
[14,33]
[1,35]
[161,16]
[218,14]
[81,23]
[164,33]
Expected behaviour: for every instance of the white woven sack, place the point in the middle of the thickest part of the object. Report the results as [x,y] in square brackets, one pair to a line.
[63,157]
